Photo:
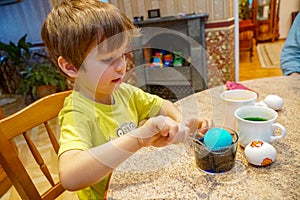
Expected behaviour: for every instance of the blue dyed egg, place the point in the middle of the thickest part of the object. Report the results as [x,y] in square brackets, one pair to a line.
[216,138]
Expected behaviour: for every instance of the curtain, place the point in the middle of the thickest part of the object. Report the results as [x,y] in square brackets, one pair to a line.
[24,17]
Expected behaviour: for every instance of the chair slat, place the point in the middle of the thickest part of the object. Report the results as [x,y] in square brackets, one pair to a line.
[52,137]
[38,158]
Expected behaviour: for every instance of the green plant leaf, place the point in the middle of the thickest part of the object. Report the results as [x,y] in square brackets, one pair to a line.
[22,44]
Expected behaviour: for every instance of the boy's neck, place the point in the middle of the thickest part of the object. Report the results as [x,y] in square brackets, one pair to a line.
[106,99]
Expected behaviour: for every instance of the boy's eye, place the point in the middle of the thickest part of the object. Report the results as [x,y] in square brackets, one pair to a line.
[109,60]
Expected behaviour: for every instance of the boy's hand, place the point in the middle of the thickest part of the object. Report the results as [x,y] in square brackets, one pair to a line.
[160,131]
[197,123]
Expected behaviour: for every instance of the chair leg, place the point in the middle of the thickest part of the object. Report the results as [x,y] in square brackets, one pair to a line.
[251,55]
[251,51]
[1,113]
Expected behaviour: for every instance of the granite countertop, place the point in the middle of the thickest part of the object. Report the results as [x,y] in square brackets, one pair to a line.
[171,172]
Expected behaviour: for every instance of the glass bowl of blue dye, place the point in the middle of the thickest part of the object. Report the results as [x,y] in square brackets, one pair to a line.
[215,149]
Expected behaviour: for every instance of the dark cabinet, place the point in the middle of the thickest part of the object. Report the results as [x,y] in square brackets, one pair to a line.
[267,18]
[171,36]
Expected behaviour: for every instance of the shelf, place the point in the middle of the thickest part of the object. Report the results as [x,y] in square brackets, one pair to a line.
[168,75]
[264,38]
[264,4]
[263,20]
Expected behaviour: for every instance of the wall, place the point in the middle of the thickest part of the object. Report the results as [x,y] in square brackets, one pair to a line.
[18,19]
[27,17]
[173,7]
[285,16]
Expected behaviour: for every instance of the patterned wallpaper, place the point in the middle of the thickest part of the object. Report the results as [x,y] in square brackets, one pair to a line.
[220,58]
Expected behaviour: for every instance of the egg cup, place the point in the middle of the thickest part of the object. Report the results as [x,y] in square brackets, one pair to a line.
[217,160]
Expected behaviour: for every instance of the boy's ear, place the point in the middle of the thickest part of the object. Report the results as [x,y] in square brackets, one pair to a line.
[67,67]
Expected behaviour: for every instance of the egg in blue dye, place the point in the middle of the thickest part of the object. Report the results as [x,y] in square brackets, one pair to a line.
[216,138]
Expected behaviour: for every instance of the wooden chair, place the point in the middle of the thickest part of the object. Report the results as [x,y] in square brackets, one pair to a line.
[36,114]
[246,36]
[5,183]
[248,30]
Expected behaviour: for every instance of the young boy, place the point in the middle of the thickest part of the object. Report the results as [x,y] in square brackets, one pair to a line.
[99,121]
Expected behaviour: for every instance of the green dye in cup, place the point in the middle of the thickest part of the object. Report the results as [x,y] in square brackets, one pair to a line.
[255,119]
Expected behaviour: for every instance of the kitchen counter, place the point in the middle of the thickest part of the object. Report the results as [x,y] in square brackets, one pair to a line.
[171,172]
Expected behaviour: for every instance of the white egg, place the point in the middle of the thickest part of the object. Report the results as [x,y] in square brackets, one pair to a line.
[273,101]
[260,153]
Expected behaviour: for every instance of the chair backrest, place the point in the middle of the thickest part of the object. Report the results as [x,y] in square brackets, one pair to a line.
[37,114]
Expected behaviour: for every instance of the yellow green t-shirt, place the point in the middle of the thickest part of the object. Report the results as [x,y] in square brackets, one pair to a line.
[85,124]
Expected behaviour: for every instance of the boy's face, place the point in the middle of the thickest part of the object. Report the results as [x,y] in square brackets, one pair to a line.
[102,71]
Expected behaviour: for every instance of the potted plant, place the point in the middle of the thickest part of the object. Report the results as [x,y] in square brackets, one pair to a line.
[35,71]
[41,79]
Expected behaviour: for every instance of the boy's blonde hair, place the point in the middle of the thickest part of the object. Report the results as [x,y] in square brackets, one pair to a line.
[73,27]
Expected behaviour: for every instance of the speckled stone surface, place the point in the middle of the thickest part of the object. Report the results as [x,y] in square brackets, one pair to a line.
[171,172]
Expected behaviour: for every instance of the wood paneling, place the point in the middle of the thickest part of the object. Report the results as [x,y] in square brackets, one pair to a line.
[121,5]
[217,9]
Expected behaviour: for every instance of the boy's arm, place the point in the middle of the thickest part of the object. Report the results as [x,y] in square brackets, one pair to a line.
[79,169]
[170,110]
